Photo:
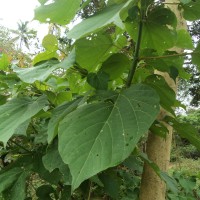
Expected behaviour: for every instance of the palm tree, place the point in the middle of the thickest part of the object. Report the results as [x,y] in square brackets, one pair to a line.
[24,35]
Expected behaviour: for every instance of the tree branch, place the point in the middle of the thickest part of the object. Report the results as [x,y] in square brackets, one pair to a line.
[168,56]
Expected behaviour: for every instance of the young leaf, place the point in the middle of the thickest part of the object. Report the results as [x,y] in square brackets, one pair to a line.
[56,12]
[50,42]
[16,112]
[4,62]
[106,17]
[93,144]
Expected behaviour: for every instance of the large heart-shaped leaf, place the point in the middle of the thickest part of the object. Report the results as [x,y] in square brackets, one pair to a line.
[91,136]
[60,11]
[156,32]
[16,112]
[93,24]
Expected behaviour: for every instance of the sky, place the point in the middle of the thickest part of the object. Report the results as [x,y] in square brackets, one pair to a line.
[12,11]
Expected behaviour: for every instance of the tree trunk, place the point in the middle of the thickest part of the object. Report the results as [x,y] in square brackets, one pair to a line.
[158,149]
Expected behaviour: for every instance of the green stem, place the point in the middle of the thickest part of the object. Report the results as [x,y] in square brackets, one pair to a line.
[136,53]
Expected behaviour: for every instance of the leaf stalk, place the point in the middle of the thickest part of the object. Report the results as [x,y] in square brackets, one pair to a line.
[136,53]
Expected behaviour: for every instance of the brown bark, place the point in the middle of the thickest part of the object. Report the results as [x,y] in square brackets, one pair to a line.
[158,149]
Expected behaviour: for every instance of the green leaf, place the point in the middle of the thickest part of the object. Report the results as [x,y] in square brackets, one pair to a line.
[196,56]
[59,98]
[18,189]
[185,1]
[58,114]
[104,18]
[53,178]
[2,99]
[42,1]
[170,181]
[185,130]
[162,16]
[44,191]
[184,39]
[99,81]
[141,74]
[191,10]
[22,128]
[47,55]
[166,94]
[41,72]
[92,52]
[37,73]
[50,42]
[103,129]
[159,129]
[8,177]
[4,62]
[115,65]
[52,161]
[173,73]
[111,183]
[16,112]
[167,63]
[188,184]
[155,36]
[59,12]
